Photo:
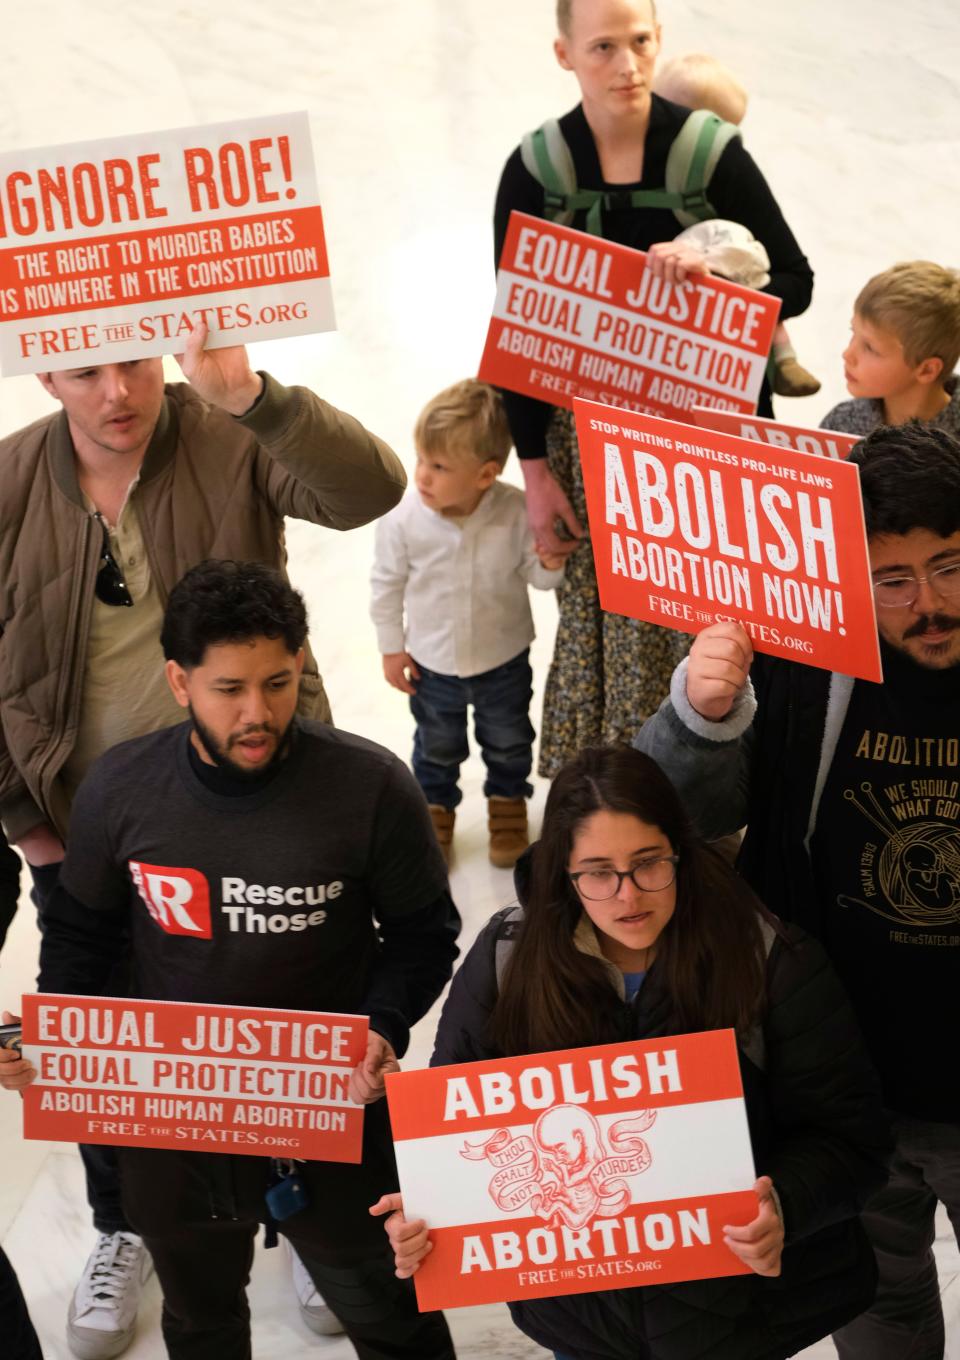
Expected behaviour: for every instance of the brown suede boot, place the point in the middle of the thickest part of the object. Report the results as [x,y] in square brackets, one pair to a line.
[791,379]
[443,819]
[507,824]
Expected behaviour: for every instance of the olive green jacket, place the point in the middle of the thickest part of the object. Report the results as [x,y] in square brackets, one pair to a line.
[211,486]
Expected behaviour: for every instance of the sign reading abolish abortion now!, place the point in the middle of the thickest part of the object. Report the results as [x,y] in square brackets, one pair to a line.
[181,1075]
[828,443]
[690,527]
[576,316]
[567,1172]
[113,250]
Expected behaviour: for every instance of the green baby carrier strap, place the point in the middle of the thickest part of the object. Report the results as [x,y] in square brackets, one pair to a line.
[691,162]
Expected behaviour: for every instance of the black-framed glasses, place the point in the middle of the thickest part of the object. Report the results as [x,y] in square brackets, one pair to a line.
[110,587]
[652,876]
[896,592]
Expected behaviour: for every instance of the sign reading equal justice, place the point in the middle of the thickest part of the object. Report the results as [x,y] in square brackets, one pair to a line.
[577,316]
[202,1078]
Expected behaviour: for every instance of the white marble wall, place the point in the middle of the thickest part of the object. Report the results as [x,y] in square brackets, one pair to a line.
[414,106]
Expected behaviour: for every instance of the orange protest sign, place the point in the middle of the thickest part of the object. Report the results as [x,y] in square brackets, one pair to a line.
[113,250]
[828,443]
[172,1074]
[690,527]
[567,1172]
[577,316]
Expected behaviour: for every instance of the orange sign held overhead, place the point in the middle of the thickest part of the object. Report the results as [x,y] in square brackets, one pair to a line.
[577,316]
[587,1169]
[204,1078]
[690,527]
[827,443]
[114,250]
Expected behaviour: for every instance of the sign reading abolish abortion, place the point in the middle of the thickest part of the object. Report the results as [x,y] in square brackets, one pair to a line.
[576,316]
[113,250]
[587,1169]
[828,443]
[182,1075]
[690,527]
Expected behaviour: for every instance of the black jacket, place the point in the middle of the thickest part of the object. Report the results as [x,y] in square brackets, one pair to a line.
[817,1130]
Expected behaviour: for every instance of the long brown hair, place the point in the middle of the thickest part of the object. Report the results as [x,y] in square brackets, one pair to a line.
[710,954]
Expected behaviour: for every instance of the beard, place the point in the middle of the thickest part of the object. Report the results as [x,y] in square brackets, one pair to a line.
[221,755]
[937,655]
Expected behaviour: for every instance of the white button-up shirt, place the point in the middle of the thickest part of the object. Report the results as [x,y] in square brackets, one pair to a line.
[454,593]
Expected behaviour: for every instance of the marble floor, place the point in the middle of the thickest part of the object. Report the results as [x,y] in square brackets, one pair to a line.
[414,106]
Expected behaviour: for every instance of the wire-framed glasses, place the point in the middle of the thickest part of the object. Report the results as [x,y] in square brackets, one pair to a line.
[896,592]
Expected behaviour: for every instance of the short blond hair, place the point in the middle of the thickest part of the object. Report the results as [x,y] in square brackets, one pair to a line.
[565,14]
[465,420]
[698,81]
[919,303]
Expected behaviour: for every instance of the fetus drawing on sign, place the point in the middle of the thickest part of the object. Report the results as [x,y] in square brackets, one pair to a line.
[568,1172]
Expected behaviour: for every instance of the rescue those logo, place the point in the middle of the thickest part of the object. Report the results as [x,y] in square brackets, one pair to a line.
[177,899]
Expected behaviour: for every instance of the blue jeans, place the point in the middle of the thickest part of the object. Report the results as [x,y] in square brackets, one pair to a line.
[501,723]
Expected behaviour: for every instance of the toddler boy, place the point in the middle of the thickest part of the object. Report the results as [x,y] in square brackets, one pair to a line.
[455,557]
[903,348]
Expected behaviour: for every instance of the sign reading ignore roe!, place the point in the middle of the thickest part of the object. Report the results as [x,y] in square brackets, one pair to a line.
[113,250]
[581,1170]
[576,316]
[691,527]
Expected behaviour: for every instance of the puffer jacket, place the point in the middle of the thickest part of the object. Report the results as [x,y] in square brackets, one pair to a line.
[817,1129]
[211,486]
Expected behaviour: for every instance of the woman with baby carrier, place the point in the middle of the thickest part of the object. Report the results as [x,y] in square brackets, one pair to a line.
[635,169]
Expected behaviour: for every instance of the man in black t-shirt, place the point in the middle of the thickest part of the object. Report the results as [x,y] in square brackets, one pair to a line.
[249,857]
[850,792]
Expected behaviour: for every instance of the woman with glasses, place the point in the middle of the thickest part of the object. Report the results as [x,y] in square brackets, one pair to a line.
[628,927]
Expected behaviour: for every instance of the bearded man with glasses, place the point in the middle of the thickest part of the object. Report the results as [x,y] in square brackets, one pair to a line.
[103,507]
[850,792]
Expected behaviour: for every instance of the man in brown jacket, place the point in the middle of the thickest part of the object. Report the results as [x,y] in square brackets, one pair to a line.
[103,507]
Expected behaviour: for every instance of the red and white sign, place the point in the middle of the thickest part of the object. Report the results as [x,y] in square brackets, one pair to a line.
[177,899]
[827,443]
[577,316]
[113,250]
[690,527]
[197,1077]
[568,1172]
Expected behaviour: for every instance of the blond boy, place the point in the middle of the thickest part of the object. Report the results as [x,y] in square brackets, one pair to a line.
[449,600]
[903,349]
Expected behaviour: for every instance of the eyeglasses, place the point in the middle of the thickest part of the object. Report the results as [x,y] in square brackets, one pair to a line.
[895,592]
[110,587]
[652,876]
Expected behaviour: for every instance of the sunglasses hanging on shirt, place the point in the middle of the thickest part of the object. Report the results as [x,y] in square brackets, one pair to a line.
[110,587]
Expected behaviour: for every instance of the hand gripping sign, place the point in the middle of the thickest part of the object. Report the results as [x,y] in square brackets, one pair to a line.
[576,316]
[691,527]
[566,1172]
[828,443]
[203,1078]
[113,250]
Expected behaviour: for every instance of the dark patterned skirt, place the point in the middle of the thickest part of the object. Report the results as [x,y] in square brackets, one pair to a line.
[608,672]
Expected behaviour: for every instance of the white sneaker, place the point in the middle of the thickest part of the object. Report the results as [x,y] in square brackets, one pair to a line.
[313,1310]
[103,1311]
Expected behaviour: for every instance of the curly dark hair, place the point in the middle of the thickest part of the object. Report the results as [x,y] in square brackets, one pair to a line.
[230,602]
[910,478]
